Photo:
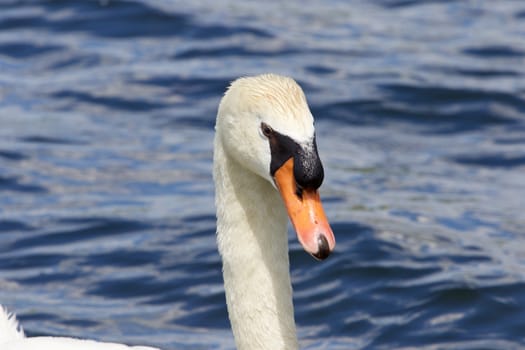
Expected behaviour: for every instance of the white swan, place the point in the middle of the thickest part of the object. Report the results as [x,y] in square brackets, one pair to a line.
[265,165]
[265,156]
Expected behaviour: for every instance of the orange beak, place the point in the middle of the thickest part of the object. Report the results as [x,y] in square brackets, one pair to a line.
[306,213]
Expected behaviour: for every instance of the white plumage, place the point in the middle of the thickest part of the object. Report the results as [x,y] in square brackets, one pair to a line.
[12,338]
[251,217]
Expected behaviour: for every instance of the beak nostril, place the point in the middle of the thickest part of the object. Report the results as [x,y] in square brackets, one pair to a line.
[299,191]
[323,248]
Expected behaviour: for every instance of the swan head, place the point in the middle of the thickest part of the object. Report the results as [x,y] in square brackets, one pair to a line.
[265,124]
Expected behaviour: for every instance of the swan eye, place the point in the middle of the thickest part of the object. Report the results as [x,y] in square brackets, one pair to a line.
[266,130]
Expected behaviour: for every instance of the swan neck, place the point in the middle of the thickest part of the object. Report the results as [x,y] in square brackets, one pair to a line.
[253,243]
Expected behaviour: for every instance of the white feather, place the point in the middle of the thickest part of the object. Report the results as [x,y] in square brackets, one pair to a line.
[9,328]
[12,338]
[251,218]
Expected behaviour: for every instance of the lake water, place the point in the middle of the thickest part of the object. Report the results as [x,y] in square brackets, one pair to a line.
[107,220]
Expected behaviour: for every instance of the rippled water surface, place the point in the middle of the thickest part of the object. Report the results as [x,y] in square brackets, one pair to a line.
[106,197]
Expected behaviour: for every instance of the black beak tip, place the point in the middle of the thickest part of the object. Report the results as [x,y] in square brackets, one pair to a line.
[324,249]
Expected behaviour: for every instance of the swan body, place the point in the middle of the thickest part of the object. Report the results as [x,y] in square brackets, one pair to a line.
[266,166]
[12,337]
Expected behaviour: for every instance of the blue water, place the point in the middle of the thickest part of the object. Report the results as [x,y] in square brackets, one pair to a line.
[106,196]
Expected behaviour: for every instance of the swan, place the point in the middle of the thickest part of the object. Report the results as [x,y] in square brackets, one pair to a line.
[266,166]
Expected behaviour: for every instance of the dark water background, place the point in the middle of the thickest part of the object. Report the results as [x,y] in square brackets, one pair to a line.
[106,196]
